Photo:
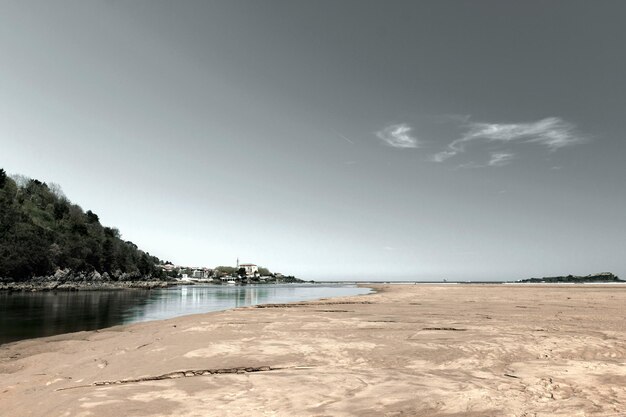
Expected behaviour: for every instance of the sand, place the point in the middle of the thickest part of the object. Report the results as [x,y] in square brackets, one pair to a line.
[408,350]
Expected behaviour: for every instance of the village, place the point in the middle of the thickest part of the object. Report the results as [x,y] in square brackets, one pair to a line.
[241,274]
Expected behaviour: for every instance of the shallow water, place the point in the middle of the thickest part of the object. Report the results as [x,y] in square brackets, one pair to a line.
[37,314]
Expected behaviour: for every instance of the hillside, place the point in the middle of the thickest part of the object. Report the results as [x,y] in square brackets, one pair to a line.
[42,234]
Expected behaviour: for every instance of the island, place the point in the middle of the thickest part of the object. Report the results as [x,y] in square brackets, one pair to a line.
[603,277]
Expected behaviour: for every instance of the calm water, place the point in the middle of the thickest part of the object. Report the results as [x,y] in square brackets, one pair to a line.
[29,315]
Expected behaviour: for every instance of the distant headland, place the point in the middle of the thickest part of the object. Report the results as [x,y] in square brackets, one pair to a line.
[600,277]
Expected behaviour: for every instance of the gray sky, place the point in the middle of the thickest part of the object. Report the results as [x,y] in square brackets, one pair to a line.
[331,139]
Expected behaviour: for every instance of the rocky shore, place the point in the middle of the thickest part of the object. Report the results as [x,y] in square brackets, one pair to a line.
[66,280]
[82,286]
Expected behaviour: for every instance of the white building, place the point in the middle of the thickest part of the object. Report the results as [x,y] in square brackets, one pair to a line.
[251,269]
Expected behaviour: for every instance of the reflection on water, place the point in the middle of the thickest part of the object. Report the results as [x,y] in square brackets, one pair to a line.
[28,315]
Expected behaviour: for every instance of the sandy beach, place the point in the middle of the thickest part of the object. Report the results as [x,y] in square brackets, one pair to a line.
[407,350]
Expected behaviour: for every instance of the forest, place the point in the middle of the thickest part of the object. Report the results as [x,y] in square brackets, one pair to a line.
[42,232]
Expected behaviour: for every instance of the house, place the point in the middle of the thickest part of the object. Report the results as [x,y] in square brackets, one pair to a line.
[251,269]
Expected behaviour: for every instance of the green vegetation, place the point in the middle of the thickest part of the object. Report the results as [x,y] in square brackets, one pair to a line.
[42,232]
[225,270]
[601,277]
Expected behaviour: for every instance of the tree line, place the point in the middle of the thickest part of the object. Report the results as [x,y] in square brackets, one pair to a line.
[41,231]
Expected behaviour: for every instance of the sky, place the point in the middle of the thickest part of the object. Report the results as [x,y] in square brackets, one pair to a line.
[367,140]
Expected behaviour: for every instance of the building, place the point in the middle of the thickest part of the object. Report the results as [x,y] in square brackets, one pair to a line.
[251,269]
[201,273]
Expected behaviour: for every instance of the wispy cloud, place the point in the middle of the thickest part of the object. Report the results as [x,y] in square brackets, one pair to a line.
[443,155]
[552,132]
[398,136]
[500,159]
[350,141]
[496,159]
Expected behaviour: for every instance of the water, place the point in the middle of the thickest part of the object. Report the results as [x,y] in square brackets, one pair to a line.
[37,314]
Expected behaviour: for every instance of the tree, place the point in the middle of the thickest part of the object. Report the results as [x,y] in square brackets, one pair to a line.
[20,180]
[56,190]
[92,217]
[3,178]
[225,270]
[26,253]
[61,209]
[112,232]
[108,256]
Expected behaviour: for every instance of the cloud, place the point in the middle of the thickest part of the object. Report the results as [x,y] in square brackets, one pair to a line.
[500,159]
[398,136]
[350,141]
[346,139]
[552,132]
[443,155]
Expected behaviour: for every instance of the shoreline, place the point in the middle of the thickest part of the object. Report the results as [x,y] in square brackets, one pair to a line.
[319,292]
[55,285]
[427,350]
[45,285]
[42,286]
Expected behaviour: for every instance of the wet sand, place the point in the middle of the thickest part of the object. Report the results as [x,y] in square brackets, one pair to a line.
[408,350]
